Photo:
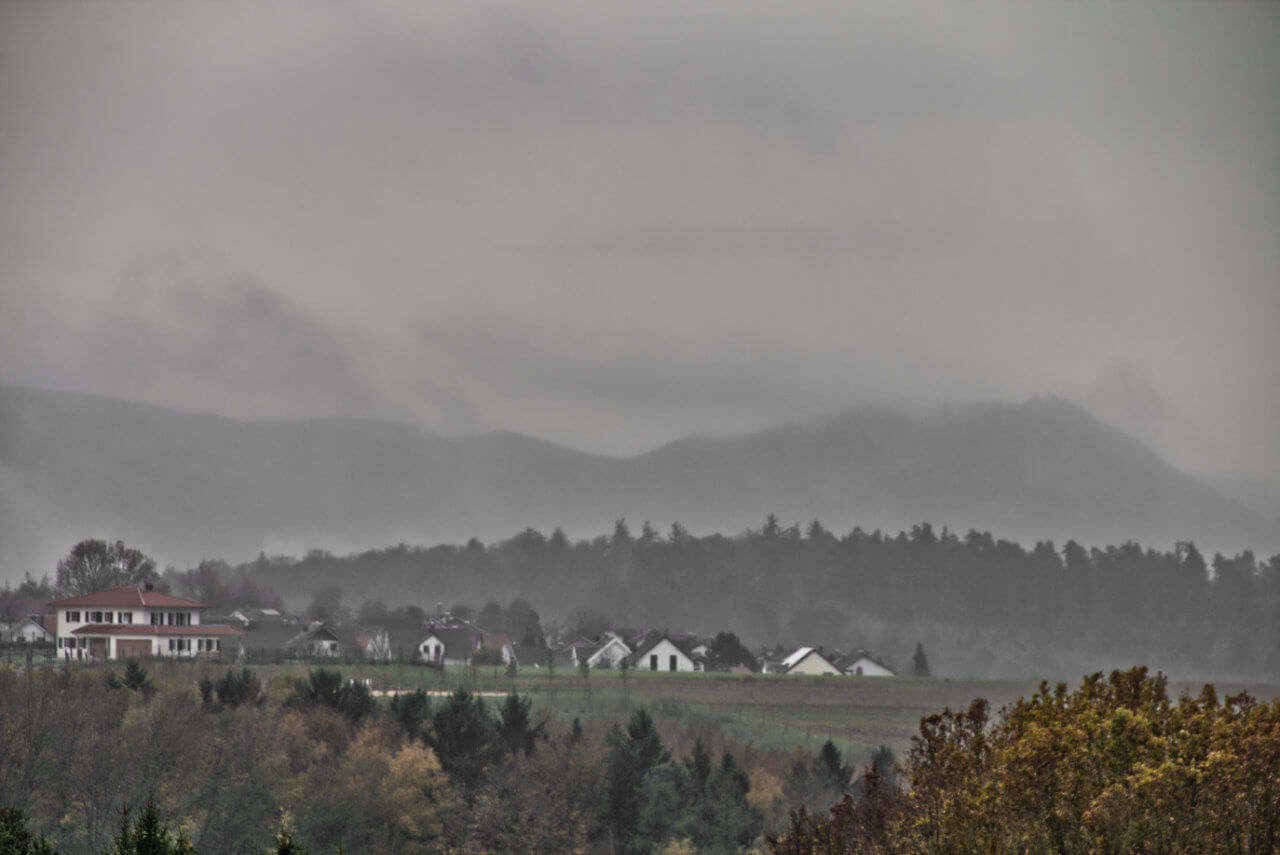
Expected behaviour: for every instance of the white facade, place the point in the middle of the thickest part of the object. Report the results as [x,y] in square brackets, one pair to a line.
[665,656]
[29,631]
[100,626]
[431,650]
[867,667]
[807,660]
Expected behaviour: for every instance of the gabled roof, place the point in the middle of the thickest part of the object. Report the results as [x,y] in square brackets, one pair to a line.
[315,632]
[848,662]
[682,644]
[494,640]
[794,658]
[608,641]
[128,597]
[271,636]
[34,620]
[804,653]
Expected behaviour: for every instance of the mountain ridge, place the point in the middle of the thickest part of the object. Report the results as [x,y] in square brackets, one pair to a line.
[191,485]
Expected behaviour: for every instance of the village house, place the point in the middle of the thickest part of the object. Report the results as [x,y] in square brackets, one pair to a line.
[809,660]
[130,621]
[455,645]
[253,616]
[606,652]
[315,641]
[35,629]
[862,664]
[663,653]
[375,644]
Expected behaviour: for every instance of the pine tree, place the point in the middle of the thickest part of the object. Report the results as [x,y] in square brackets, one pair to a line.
[919,662]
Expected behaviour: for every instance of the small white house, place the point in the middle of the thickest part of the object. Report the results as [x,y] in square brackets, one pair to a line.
[610,653]
[316,640]
[450,646]
[376,645]
[865,666]
[661,653]
[808,660]
[32,630]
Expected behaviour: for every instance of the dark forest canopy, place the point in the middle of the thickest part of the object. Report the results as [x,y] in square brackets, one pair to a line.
[981,605]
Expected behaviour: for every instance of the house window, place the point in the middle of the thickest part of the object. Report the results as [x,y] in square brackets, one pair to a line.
[106,617]
[173,645]
[217,644]
[73,617]
[653,662]
[157,619]
[95,617]
[126,617]
[673,662]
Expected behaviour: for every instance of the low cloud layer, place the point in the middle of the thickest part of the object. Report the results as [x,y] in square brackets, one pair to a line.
[614,225]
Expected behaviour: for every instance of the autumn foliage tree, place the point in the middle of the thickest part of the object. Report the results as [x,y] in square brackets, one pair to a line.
[1114,766]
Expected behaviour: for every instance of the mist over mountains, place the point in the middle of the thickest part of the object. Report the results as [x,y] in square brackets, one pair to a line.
[185,485]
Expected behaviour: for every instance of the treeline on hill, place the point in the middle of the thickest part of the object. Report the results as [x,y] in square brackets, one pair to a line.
[230,765]
[981,605]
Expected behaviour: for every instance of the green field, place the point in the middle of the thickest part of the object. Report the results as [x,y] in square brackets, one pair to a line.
[767,712]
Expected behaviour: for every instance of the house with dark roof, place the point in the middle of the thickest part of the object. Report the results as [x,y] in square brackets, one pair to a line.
[455,645]
[661,652]
[316,640]
[132,621]
[252,615]
[530,656]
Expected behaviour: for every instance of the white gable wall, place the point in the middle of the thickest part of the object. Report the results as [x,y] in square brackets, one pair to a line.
[665,656]
[866,667]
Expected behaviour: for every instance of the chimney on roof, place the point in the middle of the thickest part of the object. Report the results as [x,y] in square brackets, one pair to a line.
[439,609]
[147,586]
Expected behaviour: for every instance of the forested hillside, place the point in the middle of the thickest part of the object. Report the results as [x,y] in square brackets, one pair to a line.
[982,606]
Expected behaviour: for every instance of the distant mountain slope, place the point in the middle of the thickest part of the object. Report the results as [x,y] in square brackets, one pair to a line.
[187,485]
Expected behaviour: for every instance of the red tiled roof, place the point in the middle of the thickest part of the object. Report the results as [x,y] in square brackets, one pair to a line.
[130,596]
[148,629]
[50,623]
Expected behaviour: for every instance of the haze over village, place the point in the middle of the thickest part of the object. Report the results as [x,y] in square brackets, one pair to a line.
[721,392]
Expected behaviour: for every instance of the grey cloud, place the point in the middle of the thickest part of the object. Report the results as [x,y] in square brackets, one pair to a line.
[622,223]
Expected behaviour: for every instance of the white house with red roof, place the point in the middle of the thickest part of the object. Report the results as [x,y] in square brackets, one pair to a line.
[123,622]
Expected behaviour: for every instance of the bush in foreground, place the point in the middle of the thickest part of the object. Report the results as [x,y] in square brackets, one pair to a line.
[1114,766]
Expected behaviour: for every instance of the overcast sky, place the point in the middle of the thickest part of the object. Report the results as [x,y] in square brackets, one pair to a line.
[610,225]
